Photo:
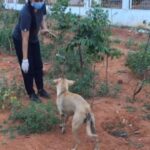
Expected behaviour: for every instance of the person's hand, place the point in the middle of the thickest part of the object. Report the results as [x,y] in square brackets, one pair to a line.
[25,65]
[47,32]
[44,31]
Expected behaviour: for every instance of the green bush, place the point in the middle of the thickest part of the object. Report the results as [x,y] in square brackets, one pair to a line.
[109,90]
[138,62]
[70,68]
[130,43]
[9,94]
[6,39]
[34,118]
[46,51]
[104,89]
[147,106]
[116,89]
[7,22]
[84,83]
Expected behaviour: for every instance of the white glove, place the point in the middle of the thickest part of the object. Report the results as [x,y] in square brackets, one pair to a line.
[25,65]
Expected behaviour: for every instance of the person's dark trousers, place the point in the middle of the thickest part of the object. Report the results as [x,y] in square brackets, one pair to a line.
[35,65]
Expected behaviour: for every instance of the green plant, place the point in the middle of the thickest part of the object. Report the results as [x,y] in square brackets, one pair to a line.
[9,93]
[46,51]
[104,89]
[129,43]
[84,83]
[34,118]
[80,42]
[115,89]
[6,39]
[58,12]
[117,41]
[142,46]
[147,106]
[131,100]
[138,62]
[91,35]
[6,95]
[8,19]
[130,109]
[109,90]
[147,117]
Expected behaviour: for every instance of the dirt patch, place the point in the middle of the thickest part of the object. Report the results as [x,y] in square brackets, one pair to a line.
[111,114]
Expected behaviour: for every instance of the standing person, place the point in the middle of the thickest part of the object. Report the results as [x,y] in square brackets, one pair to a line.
[26,42]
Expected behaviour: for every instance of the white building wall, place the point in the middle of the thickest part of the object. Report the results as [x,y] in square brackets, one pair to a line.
[121,17]
[128,16]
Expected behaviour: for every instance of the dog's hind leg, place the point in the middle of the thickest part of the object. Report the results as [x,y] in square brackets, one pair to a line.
[91,130]
[76,123]
[64,118]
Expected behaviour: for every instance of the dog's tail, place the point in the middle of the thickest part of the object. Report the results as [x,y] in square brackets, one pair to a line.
[91,130]
[90,127]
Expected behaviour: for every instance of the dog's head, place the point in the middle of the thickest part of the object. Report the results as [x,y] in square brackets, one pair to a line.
[63,84]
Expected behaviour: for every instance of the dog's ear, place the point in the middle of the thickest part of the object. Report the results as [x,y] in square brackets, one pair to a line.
[70,82]
[56,80]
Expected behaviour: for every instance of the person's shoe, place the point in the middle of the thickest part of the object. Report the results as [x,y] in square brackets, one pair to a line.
[43,93]
[35,98]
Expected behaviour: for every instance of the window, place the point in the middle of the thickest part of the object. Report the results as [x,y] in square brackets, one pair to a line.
[111,3]
[141,4]
[71,2]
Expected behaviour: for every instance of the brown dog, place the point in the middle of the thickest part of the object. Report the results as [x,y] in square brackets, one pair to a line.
[73,104]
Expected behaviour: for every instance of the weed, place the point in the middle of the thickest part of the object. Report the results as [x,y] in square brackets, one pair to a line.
[130,109]
[115,90]
[117,41]
[8,94]
[104,89]
[34,118]
[8,18]
[109,90]
[129,43]
[84,83]
[142,46]
[135,64]
[46,51]
[146,117]
[147,106]
[133,100]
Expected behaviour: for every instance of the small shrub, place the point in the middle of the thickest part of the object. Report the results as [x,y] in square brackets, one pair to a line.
[109,90]
[6,39]
[84,84]
[138,62]
[115,90]
[104,89]
[9,94]
[6,95]
[133,100]
[46,51]
[147,106]
[70,68]
[82,40]
[130,43]
[17,88]
[8,19]
[130,109]
[142,46]
[117,41]
[146,117]
[34,118]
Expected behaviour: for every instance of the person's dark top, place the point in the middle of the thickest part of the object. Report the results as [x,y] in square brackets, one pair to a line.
[26,23]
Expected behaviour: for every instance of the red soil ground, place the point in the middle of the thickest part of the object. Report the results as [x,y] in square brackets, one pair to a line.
[109,112]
